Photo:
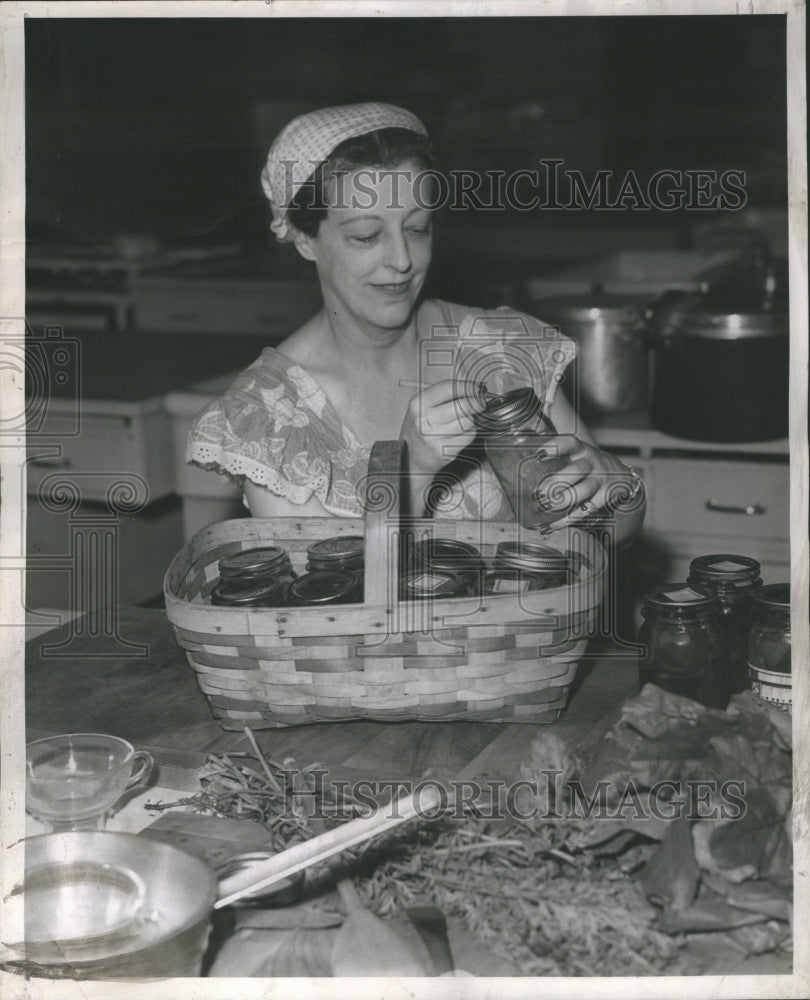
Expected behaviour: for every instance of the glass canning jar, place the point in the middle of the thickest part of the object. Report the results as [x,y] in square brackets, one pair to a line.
[322,587]
[515,430]
[344,553]
[769,665]
[268,562]
[446,555]
[734,579]
[685,648]
[431,584]
[244,592]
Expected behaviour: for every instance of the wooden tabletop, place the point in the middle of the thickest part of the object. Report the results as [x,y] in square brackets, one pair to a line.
[151,698]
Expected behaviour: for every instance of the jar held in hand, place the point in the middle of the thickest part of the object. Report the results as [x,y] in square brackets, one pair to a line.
[515,431]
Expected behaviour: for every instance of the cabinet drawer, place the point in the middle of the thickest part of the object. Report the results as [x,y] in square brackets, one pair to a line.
[108,445]
[273,309]
[748,499]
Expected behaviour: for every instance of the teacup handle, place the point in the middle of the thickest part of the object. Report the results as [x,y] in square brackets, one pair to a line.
[144,765]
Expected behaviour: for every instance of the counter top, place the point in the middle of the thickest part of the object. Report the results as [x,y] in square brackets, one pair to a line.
[154,702]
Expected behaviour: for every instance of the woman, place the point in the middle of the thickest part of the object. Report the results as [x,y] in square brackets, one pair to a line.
[347,187]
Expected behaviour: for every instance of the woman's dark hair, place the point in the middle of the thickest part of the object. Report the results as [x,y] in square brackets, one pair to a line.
[384,149]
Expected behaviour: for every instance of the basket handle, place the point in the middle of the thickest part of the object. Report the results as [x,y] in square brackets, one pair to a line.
[381,500]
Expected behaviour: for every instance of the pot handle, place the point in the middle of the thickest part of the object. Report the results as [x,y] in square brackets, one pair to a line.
[751,509]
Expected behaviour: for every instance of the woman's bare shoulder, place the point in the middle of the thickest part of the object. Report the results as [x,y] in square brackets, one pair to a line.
[304,343]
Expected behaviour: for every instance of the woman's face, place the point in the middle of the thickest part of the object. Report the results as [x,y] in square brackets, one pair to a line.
[373,249]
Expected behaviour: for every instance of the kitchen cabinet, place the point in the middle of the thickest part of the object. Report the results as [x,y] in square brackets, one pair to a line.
[100,439]
[101,469]
[271,308]
[102,514]
[700,500]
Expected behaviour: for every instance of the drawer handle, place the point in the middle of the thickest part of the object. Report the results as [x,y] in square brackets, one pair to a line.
[51,462]
[753,509]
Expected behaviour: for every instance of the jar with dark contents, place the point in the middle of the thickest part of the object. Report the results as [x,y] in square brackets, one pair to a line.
[246,593]
[325,587]
[515,431]
[684,644]
[769,665]
[446,555]
[268,562]
[341,554]
[734,579]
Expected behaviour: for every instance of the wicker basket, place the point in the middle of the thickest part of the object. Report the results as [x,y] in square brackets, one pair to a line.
[505,657]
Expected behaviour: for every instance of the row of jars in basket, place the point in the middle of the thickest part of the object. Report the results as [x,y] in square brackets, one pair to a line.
[719,633]
[430,568]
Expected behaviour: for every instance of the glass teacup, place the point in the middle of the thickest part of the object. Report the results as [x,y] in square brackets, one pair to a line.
[72,781]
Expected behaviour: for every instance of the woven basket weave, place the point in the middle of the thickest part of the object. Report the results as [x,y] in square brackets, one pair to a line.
[504,657]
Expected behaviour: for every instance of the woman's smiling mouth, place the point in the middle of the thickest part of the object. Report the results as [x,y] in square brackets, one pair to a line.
[393,289]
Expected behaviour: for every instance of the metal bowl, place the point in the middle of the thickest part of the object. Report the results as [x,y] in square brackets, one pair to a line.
[157,898]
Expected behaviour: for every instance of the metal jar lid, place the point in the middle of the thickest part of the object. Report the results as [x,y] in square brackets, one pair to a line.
[336,549]
[530,556]
[248,593]
[352,564]
[680,600]
[507,410]
[423,584]
[325,587]
[724,570]
[447,555]
[265,561]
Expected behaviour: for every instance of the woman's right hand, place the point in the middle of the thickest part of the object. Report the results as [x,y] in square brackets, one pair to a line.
[438,424]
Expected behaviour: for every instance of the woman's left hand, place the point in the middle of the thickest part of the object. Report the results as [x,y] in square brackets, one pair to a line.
[592,480]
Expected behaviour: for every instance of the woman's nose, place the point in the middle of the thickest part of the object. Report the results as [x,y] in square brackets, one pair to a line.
[397,254]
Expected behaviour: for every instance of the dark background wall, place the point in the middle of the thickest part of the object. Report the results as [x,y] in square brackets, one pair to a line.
[162,125]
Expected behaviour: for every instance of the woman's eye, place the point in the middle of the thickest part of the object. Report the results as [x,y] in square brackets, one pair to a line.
[420,231]
[364,238]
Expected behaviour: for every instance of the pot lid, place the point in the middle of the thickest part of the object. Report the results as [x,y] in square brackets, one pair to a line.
[729,317]
[589,306]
